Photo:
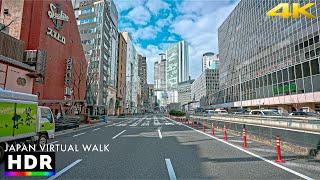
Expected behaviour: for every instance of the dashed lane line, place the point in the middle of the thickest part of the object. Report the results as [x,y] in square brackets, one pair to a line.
[64,170]
[172,174]
[79,134]
[119,134]
[159,132]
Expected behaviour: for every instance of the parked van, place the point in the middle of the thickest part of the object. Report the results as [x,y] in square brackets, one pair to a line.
[22,120]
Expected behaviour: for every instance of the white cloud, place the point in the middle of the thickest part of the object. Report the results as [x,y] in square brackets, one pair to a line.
[149,32]
[123,5]
[198,25]
[156,5]
[139,15]
[165,22]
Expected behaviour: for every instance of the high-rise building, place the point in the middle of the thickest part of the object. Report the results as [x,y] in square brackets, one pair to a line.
[177,69]
[131,75]
[160,73]
[151,98]
[270,62]
[205,85]
[160,81]
[142,71]
[98,26]
[210,61]
[121,77]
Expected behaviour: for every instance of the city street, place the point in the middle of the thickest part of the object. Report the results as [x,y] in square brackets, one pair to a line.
[154,147]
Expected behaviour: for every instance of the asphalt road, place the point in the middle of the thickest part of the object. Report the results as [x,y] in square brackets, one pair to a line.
[154,147]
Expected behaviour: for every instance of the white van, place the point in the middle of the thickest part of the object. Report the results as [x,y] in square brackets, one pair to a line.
[221,111]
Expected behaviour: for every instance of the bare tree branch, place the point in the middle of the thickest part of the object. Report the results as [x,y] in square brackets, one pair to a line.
[5,26]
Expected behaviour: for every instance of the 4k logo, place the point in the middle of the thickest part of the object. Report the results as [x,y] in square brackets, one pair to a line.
[283,10]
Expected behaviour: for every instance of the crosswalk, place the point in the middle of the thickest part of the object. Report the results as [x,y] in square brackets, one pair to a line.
[144,122]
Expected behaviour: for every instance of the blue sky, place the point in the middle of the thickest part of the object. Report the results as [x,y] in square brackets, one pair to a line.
[155,24]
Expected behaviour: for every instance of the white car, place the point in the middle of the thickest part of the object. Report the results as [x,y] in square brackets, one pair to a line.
[265,112]
[221,111]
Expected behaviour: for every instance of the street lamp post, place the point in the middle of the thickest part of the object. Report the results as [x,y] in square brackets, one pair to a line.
[240,80]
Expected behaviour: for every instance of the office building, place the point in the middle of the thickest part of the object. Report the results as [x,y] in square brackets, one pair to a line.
[184,92]
[210,61]
[131,75]
[98,27]
[177,69]
[142,71]
[151,98]
[206,84]
[160,81]
[121,77]
[269,62]
[160,73]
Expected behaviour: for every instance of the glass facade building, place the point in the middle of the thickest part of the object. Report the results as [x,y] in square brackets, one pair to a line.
[269,61]
[98,27]
[177,69]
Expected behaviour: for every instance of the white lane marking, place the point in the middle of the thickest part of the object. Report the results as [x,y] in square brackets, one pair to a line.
[79,134]
[252,154]
[118,134]
[137,122]
[54,142]
[64,170]
[263,150]
[147,123]
[96,129]
[239,141]
[171,173]
[304,166]
[159,132]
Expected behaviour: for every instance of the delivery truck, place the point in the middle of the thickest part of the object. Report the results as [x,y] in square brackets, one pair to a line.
[23,121]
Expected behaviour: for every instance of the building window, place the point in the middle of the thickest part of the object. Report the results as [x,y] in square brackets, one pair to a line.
[86,21]
[307,85]
[316,84]
[314,67]
[306,69]
[298,71]
[316,39]
[87,10]
[291,73]
[279,75]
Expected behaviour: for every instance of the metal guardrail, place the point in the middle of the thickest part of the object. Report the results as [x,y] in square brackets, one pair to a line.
[304,139]
[273,121]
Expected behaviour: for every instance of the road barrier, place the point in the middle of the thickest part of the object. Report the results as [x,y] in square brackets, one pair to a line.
[297,141]
[225,132]
[279,157]
[244,138]
[212,129]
